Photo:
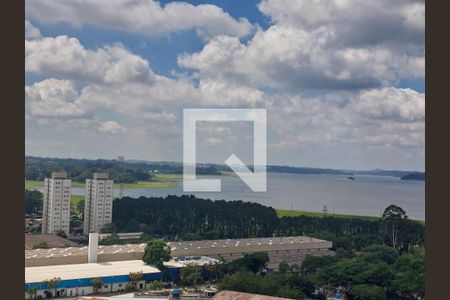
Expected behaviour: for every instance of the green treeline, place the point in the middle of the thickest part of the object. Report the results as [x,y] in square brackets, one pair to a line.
[193,218]
[81,169]
[188,217]
[378,272]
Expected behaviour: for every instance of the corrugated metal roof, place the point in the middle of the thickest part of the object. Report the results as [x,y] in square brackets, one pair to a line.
[77,271]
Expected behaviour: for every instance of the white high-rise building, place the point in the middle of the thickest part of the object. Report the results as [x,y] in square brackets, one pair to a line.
[98,203]
[56,206]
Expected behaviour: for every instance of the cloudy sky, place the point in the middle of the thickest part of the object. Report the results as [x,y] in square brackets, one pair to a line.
[342,80]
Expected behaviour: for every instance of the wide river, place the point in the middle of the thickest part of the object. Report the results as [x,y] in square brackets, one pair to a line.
[367,195]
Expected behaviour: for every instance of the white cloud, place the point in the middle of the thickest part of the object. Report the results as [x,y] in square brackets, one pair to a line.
[53,98]
[65,57]
[386,117]
[291,59]
[305,52]
[112,127]
[143,16]
[400,105]
[339,45]
[31,32]
[355,22]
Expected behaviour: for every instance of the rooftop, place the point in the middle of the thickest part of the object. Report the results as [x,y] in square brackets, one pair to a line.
[181,247]
[227,295]
[77,271]
[191,260]
[242,243]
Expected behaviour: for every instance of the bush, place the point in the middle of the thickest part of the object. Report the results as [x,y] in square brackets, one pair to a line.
[41,245]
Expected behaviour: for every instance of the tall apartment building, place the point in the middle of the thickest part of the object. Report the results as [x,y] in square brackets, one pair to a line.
[98,203]
[56,206]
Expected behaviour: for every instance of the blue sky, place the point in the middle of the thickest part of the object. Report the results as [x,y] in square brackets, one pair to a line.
[343,81]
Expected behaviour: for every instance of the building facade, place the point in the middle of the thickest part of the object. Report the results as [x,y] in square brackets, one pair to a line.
[56,204]
[98,202]
[76,279]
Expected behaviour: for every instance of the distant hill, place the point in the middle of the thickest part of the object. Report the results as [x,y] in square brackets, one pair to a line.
[414,176]
[36,168]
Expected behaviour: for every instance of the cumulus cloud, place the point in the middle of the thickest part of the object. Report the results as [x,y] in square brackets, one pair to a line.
[386,117]
[65,57]
[141,16]
[31,32]
[325,76]
[400,105]
[339,45]
[355,22]
[294,60]
[112,127]
[53,98]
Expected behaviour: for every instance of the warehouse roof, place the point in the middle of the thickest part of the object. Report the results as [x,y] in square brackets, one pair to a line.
[77,271]
[242,243]
[180,248]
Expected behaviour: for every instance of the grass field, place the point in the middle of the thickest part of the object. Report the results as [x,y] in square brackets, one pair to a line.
[159,181]
[74,199]
[35,184]
[295,213]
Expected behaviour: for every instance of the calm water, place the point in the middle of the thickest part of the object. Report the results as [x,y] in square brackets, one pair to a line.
[367,195]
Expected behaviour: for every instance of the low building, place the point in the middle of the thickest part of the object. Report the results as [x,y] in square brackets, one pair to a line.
[174,266]
[123,236]
[290,249]
[76,279]
[228,295]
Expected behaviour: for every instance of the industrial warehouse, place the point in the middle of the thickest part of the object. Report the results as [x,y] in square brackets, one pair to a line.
[78,266]
[291,249]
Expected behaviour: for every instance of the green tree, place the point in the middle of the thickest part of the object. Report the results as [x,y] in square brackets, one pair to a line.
[156,285]
[409,278]
[41,245]
[96,284]
[393,217]
[53,283]
[80,208]
[32,290]
[112,239]
[283,267]
[33,202]
[156,253]
[61,233]
[191,275]
[359,270]
[109,228]
[367,292]
[253,262]
[383,252]
[311,264]
[135,277]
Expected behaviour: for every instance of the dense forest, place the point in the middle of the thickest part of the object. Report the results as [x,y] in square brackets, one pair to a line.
[377,272]
[188,217]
